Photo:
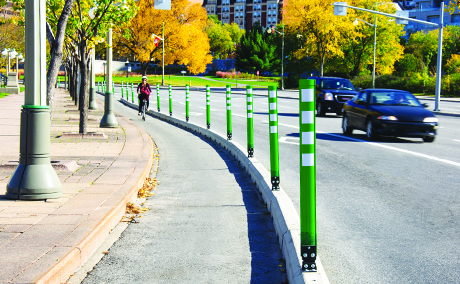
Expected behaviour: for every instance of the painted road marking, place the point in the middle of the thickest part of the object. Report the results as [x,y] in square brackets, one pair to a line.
[384,146]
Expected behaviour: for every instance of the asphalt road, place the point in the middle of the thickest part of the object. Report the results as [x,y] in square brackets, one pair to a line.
[206,222]
[388,211]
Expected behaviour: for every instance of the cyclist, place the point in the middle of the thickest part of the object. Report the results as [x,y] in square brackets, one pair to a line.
[143,91]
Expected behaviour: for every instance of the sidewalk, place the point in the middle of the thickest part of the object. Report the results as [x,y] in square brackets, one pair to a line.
[46,241]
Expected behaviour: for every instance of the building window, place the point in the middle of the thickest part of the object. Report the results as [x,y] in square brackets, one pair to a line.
[455,18]
[433,19]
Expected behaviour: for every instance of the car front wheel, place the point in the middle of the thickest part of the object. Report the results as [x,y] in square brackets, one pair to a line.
[370,133]
[347,130]
[428,139]
[320,111]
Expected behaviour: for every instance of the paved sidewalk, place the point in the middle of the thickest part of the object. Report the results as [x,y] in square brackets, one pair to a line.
[46,241]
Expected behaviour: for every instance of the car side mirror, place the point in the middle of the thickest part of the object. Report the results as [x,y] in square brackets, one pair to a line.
[425,105]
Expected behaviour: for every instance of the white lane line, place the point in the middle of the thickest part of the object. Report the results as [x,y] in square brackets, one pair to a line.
[234,114]
[384,146]
[285,140]
[456,140]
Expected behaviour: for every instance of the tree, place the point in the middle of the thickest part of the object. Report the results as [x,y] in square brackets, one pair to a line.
[453,64]
[320,30]
[82,33]
[256,52]
[11,36]
[223,38]
[185,40]
[358,46]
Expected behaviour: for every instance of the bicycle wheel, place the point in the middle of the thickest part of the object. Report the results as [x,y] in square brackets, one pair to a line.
[143,111]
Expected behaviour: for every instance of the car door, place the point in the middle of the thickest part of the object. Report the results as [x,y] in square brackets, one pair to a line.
[356,109]
[361,110]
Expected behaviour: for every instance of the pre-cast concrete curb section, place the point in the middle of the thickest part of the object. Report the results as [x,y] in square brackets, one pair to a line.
[136,157]
[285,217]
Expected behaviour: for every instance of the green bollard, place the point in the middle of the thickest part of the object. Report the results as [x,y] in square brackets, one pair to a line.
[250,110]
[113,88]
[228,93]
[103,86]
[158,97]
[170,99]
[187,103]
[126,91]
[122,89]
[132,93]
[307,133]
[208,106]
[98,87]
[274,151]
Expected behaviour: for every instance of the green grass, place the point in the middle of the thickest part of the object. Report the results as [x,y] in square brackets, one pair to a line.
[193,81]
[3,95]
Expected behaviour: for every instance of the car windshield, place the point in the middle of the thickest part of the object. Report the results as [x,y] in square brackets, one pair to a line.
[394,98]
[339,84]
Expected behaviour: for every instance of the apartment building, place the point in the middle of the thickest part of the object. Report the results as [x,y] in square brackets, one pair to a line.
[427,10]
[245,12]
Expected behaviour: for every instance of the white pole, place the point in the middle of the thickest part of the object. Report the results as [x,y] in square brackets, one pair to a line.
[439,63]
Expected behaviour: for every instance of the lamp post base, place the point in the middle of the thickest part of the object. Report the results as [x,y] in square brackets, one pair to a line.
[108,120]
[34,178]
[92,101]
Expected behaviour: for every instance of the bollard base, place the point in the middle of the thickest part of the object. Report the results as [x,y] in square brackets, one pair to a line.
[229,136]
[250,152]
[308,254]
[208,126]
[187,118]
[170,114]
[275,183]
[158,110]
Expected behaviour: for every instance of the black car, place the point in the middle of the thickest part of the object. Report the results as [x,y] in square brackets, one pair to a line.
[389,113]
[332,93]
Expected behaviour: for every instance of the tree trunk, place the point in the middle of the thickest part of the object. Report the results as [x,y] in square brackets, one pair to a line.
[83,87]
[56,51]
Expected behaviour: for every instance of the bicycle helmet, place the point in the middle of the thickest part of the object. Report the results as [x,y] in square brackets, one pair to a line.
[144,77]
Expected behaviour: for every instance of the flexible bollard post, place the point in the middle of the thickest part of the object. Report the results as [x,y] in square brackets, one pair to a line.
[187,106]
[228,92]
[307,148]
[208,106]
[132,93]
[170,99]
[122,89]
[250,130]
[113,88]
[158,97]
[98,87]
[274,150]
[126,91]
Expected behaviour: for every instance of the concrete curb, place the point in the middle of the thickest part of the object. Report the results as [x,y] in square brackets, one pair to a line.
[285,217]
[115,206]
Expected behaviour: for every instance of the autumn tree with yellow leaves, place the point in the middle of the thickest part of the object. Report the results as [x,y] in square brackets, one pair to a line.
[184,37]
[348,48]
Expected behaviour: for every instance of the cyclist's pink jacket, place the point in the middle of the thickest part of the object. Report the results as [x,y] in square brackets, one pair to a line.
[144,90]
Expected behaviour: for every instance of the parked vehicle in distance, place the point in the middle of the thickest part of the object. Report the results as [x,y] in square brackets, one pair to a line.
[389,113]
[332,93]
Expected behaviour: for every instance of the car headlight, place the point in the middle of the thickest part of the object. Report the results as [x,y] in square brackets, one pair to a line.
[328,97]
[430,119]
[387,117]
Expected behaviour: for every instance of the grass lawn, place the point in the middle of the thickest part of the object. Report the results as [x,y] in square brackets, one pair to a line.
[193,81]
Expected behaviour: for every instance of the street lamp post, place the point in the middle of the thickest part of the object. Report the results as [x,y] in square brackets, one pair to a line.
[109,120]
[127,68]
[272,31]
[355,22]
[34,178]
[163,65]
